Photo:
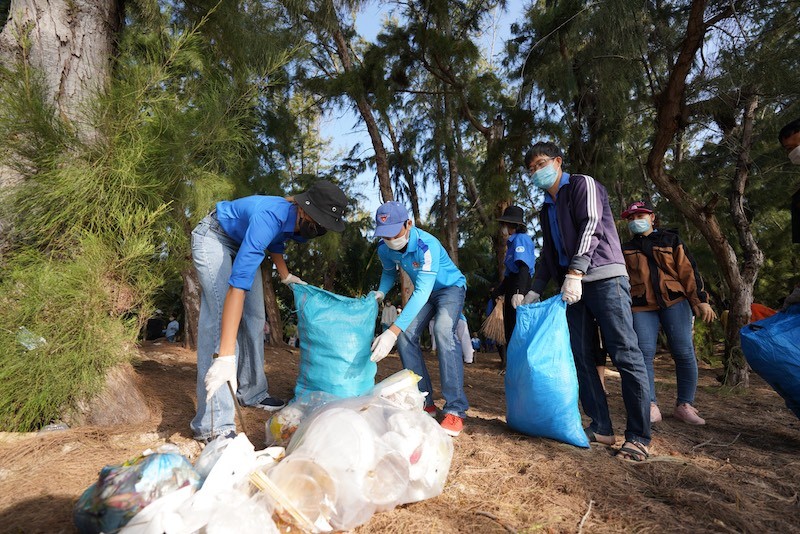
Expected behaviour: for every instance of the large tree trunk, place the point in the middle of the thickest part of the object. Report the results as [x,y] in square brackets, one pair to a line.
[271,304]
[72,44]
[671,112]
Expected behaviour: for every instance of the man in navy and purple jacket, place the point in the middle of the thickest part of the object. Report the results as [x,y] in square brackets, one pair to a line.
[582,252]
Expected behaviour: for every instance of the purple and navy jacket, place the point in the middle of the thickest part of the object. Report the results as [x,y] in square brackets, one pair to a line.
[587,232]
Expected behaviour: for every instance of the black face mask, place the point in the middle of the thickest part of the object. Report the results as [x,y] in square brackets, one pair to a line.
[310,230]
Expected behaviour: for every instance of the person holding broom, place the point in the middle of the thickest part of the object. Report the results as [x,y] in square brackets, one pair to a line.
[519,262]
[228,246]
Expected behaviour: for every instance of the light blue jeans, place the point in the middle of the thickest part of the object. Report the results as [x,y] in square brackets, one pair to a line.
[213,253]
[676,321]
[444,306]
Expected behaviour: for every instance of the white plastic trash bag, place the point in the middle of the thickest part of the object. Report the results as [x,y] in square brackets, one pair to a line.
[354,457]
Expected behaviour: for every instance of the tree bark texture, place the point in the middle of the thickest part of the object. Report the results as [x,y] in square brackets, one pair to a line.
[671,115]
[72,43]
[190,296]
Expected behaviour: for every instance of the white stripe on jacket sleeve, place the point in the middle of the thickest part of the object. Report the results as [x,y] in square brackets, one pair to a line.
[594,217]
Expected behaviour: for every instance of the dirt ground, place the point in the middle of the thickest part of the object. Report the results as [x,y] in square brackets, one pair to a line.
[738,473]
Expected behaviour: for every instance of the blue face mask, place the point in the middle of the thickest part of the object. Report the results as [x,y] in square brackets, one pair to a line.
[639,226]
[544,177]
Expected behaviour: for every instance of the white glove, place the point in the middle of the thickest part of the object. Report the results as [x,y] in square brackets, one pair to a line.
[572,289]
[531,297]
[292,279]
[379,296]
[705,312]
[222,370]
[516,300]
[382,345]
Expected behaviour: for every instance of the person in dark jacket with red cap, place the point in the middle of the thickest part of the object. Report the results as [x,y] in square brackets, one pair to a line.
[581,251]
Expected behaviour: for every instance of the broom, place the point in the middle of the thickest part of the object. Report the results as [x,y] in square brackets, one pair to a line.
[493,326]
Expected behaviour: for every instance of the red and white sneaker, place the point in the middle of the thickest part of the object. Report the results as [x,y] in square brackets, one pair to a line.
[452,424]
[430,410]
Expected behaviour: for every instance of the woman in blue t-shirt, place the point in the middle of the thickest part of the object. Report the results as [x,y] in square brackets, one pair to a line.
[228,246]
[519,262]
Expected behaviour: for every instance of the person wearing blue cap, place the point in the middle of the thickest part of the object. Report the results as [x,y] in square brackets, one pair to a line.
[439,289]
[228,246]
[519,263]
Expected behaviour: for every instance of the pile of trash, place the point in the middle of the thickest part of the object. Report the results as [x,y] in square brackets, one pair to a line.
[345,460]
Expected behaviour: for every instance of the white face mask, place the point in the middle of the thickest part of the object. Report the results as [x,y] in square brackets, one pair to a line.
[398,243]
[794,155]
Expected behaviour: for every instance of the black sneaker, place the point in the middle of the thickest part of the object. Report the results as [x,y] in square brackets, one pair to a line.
[205,441]
[271,404]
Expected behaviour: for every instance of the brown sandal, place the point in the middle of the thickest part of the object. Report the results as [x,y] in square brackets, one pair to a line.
[599,438]
[633,451]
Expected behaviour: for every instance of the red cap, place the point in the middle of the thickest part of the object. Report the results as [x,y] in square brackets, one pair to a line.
[637,207]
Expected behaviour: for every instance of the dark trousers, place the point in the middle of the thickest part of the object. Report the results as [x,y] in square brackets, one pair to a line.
[608,302]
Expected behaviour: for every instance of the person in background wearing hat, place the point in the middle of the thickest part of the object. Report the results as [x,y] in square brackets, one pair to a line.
[519,262]
[228,246]
[581,251]
[439,289]
[665,289]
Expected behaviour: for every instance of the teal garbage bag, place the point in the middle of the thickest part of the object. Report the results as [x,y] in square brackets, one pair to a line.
[541,382]
[335,337]
[772,348]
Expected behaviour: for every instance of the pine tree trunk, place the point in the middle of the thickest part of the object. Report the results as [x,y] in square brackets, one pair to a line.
[190,296]
[365,110]
[271,305]
[72,44]
[450,222]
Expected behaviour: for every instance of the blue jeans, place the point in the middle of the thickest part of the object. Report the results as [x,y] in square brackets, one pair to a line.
[213,253]
[677,324]
[608,302]
[444,306]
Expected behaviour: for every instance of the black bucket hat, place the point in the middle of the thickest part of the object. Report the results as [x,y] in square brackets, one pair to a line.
[512,215]
[325,203]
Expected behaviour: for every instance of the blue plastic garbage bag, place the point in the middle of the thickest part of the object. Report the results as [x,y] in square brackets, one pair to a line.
[772,348]
[121,491]
[541,382]
[335,337]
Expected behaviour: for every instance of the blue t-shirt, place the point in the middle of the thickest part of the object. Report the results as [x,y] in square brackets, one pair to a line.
[427,264]
[519,247]
[563,258]
[257,223]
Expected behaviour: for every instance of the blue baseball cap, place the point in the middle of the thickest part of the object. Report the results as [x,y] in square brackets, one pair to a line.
[389,219]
